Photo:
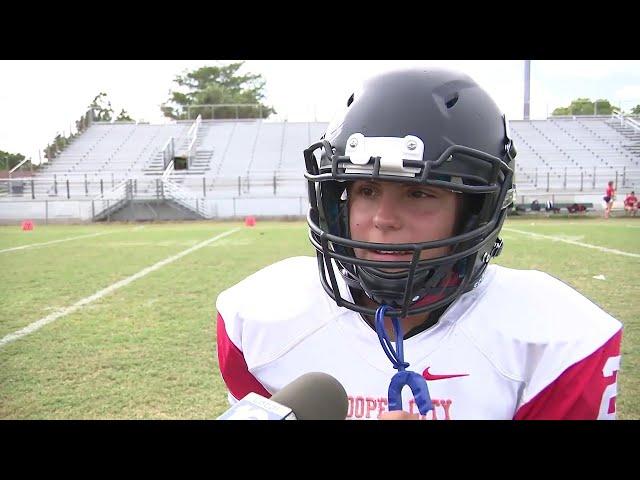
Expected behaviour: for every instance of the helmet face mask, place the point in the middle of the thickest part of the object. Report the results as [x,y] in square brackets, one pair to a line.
[430,128]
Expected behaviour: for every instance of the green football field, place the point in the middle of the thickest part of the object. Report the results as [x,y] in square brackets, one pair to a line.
[117,321]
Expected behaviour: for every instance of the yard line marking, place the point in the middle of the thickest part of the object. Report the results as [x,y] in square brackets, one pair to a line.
[54,241]
[573,242]
[67,239]
[105,291]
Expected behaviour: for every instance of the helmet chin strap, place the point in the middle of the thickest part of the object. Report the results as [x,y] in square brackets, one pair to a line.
[415,381]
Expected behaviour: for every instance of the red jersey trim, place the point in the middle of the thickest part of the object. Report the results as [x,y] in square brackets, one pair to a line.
[584,391]
[233,366]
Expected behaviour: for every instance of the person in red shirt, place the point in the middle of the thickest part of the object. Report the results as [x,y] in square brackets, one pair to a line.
[609,197]
[631,204]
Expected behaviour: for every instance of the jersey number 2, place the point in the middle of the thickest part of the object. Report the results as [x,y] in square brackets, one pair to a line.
[611,366]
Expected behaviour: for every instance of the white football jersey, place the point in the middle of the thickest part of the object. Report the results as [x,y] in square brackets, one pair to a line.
[521,345]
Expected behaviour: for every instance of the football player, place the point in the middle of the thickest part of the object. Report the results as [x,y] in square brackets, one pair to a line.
[408,190]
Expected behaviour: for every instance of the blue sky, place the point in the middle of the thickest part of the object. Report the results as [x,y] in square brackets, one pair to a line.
[39,98]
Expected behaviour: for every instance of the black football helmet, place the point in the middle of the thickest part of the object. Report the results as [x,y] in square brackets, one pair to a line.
[425,126]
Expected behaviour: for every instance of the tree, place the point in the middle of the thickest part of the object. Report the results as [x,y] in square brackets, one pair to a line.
[217,85]
[84,122]
[123,116]
[50,152]
[9,160]
[60,142]
[101,112]
[636,110]
[584,106]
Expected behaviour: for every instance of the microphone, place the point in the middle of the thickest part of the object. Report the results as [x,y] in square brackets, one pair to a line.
[312,396]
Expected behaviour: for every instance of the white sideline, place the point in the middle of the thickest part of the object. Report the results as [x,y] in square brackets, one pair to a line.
[53,241]
[105,291]
[573,242]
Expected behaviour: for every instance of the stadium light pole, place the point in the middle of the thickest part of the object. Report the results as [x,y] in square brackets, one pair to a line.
[527,88]
[623,102]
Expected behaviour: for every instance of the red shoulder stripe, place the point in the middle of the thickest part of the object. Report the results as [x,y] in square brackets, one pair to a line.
[233,366]
[585,391]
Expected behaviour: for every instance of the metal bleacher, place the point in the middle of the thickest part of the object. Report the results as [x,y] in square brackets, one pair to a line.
[575,155]
[250,155]
[259,161]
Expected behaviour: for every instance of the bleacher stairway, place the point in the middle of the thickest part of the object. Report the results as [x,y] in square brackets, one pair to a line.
[632,134]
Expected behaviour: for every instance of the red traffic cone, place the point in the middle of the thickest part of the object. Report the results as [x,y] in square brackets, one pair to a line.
[27,225]
[250,221]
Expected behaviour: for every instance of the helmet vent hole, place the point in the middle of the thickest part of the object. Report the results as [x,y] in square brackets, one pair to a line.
[350,101]
[452,100]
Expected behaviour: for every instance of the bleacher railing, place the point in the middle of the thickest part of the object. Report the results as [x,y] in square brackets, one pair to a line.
[168,152]
[192,136]
[275,183]
[180,195]
[169,170]
[617,115]
[184,198]
[63,186]
[626,119]
[120,193]
[633,123]
[18,166]
[576,179]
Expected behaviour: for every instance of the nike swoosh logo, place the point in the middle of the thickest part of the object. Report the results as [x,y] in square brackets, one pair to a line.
[431,376]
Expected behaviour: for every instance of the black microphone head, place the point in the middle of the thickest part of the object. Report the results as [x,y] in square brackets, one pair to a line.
[314,396]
